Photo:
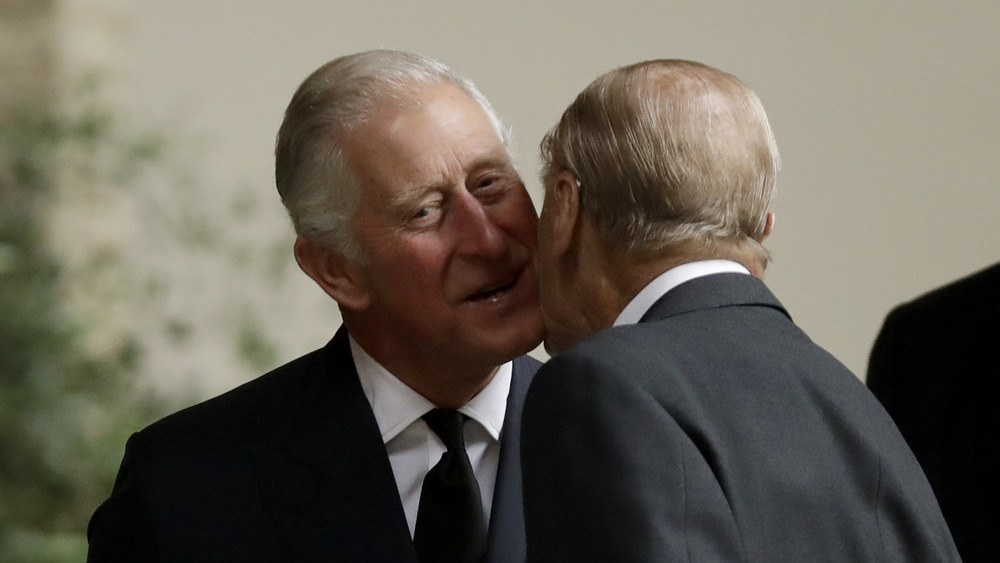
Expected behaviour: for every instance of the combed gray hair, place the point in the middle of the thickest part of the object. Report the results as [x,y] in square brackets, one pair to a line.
[669,152]
[313,176]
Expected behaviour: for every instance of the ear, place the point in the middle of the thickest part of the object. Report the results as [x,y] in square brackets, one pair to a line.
[339,277]
[562,211]
[768,226]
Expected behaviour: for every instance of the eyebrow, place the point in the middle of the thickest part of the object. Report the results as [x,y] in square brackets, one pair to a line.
[497,157]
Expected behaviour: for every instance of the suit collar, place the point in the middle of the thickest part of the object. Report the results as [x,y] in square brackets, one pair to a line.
[713,291]
[670,279]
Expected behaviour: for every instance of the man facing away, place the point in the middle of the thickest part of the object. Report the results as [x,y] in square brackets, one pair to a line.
[411,215]
[684,417]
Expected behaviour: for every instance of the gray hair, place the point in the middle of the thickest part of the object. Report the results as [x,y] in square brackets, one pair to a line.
[313,176]
[669,152]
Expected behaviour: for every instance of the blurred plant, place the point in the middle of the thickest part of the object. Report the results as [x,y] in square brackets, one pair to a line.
[65,408]
[112,264]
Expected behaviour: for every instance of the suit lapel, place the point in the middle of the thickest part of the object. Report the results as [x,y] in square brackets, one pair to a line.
[324,473]
[506,534]
[713,291]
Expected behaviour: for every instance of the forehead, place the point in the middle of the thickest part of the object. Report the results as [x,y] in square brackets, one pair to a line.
[435,137]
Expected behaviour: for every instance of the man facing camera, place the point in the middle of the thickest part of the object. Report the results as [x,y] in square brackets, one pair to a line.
[397,441]
[684,417]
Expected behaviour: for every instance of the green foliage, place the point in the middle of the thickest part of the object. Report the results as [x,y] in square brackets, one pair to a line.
[65,411]
[67,405]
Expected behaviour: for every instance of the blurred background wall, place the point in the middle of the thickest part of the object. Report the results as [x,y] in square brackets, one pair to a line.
[885,113]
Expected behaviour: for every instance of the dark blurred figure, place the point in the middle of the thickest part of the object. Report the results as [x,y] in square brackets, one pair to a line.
[931,367]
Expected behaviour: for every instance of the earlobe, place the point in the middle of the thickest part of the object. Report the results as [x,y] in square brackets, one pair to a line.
[339,277]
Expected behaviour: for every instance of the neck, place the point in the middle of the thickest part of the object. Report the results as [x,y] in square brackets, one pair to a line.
[627,273]
[595,285]
[448,392]
[444,381]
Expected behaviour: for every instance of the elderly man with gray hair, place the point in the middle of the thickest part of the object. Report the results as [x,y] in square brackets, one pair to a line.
[398,440]
[684,417]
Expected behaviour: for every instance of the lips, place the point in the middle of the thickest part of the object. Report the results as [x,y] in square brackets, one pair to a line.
[493,291]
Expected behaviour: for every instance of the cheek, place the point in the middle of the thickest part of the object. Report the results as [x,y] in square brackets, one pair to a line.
[544,231]
[547,286]
[548,293]
[418,268]
[518,218]
[409,264]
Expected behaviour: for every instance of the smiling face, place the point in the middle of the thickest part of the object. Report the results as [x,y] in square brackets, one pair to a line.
[447,232]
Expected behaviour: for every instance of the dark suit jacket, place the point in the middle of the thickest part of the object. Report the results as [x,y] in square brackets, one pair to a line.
[288,467]
[932,365]
[715,430]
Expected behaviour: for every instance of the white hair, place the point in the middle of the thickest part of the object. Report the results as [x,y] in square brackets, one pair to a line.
[314,178]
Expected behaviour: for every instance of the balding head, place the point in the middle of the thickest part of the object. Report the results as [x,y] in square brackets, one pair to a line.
[667,153]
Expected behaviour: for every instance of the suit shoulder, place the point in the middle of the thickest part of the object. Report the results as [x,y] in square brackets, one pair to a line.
[252,404]
[974,294]
[628,346]
[602,358]
[589,378]
[956,314]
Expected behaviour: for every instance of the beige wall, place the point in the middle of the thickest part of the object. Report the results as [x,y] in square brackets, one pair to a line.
[885,113]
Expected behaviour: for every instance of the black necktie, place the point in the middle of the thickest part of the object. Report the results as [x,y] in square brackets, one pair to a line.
[451,527]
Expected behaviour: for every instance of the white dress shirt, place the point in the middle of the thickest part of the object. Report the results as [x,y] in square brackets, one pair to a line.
[414,448]
[670,279]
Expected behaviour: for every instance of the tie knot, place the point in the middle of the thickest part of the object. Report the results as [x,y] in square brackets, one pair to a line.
[447,424]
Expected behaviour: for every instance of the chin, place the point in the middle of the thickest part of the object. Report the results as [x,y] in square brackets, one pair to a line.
[555,345]
[557,338]
[529,327]
[528,340]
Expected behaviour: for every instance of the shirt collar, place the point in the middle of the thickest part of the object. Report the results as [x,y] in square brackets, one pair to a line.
[670,279]
[396,406]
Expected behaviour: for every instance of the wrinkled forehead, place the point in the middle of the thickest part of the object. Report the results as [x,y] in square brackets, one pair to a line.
[413,95]
[437,135]
[443,108]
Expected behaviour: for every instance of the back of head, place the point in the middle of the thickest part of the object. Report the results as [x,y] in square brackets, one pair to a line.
[669,153]
[313,176]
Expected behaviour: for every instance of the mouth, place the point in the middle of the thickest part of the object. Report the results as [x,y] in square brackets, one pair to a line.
[495,292]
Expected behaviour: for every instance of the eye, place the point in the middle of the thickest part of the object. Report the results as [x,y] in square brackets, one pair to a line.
[490,187]
[426,213]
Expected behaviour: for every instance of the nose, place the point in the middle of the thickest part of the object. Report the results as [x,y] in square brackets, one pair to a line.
[475,231]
